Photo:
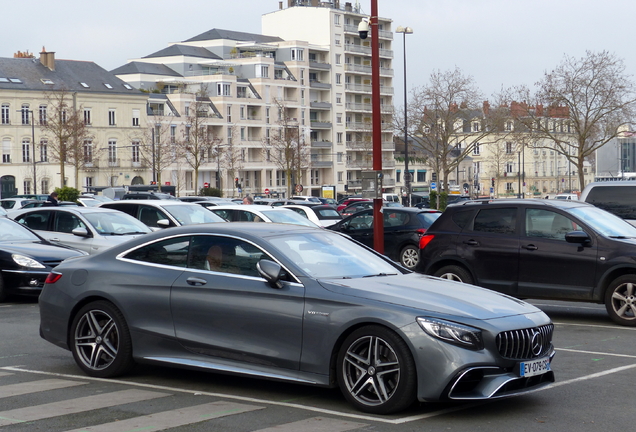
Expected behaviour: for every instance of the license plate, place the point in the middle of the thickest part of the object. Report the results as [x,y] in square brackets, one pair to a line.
[534,367]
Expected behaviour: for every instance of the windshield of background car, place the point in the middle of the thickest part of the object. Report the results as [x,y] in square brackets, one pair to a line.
[192,214]
[12,231]
[603,222]
[287,217]
[115,223]
[325,255]
[618,200]
[328,213]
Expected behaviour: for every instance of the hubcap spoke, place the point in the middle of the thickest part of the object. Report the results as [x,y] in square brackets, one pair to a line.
[96,339]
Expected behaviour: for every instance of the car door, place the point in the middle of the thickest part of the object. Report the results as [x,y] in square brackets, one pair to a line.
[398,232]
[62,231]
[150,215]
[227,311]
[548,265]
[359,227]
[490,245]
[39,221]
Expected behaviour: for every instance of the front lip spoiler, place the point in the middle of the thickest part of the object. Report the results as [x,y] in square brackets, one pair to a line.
[496,382]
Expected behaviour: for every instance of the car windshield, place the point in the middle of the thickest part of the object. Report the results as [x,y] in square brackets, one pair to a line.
[325,255]
[190,214]
[115,223]
[13,231]
[287,217]
[603,222]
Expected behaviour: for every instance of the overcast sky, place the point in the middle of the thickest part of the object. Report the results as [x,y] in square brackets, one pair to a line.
[498,42]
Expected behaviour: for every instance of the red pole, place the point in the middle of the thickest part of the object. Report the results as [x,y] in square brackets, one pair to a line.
[378,220]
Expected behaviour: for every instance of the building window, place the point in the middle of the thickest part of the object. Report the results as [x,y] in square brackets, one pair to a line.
[223,89]
[135,152]
[339,118]
[88,182]
[264,72]
[340,176]
[111,117]
[338,98]
[297,54]
[42,113]
[509,167]
[509,148]
[88,152]
[338,40]
[44,186]
[302,77]
[25,114]
[112,153]
[338,78]
[339,138]
[510,187]
[267,115]
[339,157]
[26,150]
[475,127]
[229,114]
[476,149]
[44,150]
[135,117]
[241,92]
[173,138]
[242,133]
[229,135]
[336,19]
[6,150]
[242,112]
[27,186]
[477,167]
[87,116]
[173,134]
[5,114]
[338,59]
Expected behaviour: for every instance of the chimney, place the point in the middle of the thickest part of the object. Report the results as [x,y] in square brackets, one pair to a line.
[47,59]
[280,5]
[348,7]
[486,108]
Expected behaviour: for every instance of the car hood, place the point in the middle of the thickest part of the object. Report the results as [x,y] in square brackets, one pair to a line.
[432,294]
[40,251]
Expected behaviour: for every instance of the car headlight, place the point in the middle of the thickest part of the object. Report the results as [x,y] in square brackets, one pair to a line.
[456,334]
[25,261]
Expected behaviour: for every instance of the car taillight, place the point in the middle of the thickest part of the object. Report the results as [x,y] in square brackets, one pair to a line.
[420,231]
[52,278]
[425,240]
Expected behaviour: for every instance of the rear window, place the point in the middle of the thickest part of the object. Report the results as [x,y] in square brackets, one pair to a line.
[426,219]
[328,214]
[619,200]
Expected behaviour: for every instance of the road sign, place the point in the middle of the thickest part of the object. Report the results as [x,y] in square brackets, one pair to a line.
[299,188]
[266,191]
[206,185]
[240,190]
[433,186]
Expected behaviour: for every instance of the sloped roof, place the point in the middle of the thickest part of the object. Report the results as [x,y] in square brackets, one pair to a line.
[68,75]
[215,34]
[184,50]
[145,68]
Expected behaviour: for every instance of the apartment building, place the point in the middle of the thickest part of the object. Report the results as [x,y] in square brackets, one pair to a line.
[110,108]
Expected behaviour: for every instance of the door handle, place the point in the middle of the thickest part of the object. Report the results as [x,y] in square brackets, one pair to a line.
[530,247]
[196,281]
[471,242]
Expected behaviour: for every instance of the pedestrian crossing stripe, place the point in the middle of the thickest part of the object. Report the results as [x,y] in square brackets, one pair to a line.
[36,386]
[316,424]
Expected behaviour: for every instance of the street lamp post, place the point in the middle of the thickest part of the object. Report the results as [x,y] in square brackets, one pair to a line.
[407,173]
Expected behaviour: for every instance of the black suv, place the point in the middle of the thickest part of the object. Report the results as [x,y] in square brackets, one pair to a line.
[403,228]
[551,249]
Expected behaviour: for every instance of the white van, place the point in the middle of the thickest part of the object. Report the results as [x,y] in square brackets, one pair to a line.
[617,197]
[567,196]
[391,197]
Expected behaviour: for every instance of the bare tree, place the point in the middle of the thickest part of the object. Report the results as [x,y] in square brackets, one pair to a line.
[198,140]
[500,155]
[158,146]
[447,118]
[288,149]
[586,101]
[66,131]
[231,157]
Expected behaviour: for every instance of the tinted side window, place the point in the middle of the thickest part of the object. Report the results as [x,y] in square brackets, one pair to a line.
[172,252]
[225,255]
[548,224]
[36,221]
[462,219]
[67,222]
[620,200]
[363,221]
[394,218]
[150,216]
[496,220]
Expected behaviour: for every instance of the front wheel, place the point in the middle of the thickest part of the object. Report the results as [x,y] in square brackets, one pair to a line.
[100,341]
[376,372]
[620,300]
[454,273]
[410,257]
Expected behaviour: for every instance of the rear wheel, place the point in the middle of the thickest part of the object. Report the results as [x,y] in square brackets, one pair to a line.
[620,300]
[454,273]
[100,340]
[410,257]
[376,372]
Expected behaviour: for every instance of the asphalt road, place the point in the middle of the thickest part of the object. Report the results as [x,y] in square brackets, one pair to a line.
[42,389]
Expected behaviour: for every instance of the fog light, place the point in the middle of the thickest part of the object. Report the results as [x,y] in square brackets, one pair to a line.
[34,282]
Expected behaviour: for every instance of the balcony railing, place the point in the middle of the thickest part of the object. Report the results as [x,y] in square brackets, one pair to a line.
[322,144]
[362,88]
[318,65]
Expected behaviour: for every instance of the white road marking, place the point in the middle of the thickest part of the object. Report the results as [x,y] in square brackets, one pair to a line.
[173,418]
[611,327]
[596,353]
[36,386]
[316,424]
[5,374]
[72,406]
[586,377]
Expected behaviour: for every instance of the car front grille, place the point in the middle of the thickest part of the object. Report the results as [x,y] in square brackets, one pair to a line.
[52,263]
[525,343]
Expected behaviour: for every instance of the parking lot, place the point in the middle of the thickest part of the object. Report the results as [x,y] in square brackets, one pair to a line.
[595,368]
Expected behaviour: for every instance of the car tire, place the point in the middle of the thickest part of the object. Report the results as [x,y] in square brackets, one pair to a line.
[454,273]
[410,257]
[100,340]
[620,300]
[376,371]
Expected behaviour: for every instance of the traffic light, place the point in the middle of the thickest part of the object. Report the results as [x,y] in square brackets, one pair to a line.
[236,182]
[492,182]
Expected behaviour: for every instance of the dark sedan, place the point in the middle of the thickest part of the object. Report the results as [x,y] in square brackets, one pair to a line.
[403,228]
[26,259]
[297,304]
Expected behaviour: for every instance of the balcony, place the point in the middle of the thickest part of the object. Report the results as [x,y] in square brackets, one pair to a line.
[354,184]
[320,105]
[316,124]
[359,126]
[319,85]
[321,144]
[363,88]
[383,34]
[317,65]
[114,163]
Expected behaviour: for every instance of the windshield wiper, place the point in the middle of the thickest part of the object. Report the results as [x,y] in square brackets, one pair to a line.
[380,274]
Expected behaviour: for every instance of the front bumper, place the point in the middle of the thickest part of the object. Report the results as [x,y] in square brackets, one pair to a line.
[24,282]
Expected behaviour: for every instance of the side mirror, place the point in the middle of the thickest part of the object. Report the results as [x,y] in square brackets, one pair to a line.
[271,272]
[163,223]
[578,237]
[363,28]
[81,232]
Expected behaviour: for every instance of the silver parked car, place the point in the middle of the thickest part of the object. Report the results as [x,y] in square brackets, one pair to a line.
[88,229]
[297,304]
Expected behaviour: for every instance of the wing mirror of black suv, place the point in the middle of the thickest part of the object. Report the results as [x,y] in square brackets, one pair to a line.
[578,237]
